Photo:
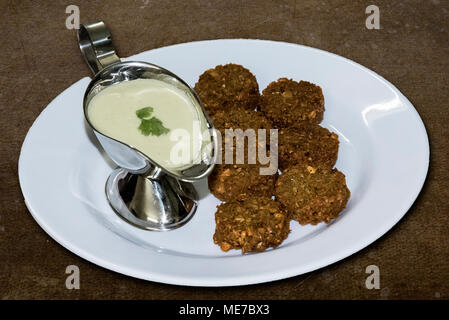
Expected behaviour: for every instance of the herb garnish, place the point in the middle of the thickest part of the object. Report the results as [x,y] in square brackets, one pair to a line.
[144,112]
[150,126]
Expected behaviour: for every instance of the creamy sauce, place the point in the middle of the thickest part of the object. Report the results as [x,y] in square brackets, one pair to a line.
[112,112]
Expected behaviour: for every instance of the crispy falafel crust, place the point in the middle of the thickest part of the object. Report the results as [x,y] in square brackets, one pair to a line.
[307,145]
[239,181]
[230,182]
[228,86]
[312,194]
[252,225]
[239,118]
[288,103]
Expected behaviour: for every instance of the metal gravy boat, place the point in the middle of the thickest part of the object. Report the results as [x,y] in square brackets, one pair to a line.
[141,191]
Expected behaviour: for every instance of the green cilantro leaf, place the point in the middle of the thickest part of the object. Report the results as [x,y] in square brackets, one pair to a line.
[152,126]
[144,112]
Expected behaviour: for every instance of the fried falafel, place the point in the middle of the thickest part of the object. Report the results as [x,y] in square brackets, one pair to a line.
[312,194]
[251,225]
[228,86]
[235,180]
[230,182]
[309,145]
[239,118]
[289,103]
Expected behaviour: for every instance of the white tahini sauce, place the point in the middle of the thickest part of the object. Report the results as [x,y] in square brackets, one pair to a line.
[112,112]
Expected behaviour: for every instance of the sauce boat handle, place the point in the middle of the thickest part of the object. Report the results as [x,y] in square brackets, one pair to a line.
[95,43]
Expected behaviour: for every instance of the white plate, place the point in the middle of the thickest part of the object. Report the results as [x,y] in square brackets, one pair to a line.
[384,152]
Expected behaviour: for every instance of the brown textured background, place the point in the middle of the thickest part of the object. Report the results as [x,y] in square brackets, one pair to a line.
[411,50]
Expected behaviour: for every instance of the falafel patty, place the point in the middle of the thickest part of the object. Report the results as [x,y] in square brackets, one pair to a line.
[308,145]
[288,103]
[312,194]
[238,181]
[227,86]
[230,182]
[239,118]
[252,225]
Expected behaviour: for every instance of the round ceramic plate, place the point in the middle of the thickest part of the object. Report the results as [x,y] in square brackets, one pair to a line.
[384,153]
